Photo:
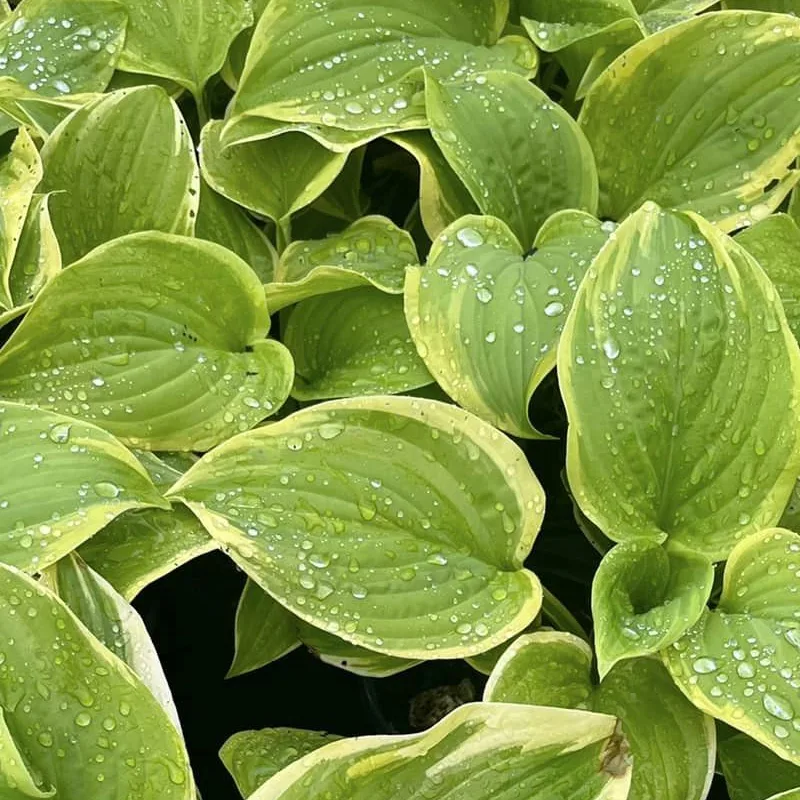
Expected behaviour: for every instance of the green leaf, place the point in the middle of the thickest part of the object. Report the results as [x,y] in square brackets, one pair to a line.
[90,479]
[58,47]
[644,598]
[221,221]
[486,319]
[273,177]
[352,343]
[141,546]
[672,741]
[442,197]
[184,40]
[679,375]
[344,198]
[739,663]
[127,337]
[373,251]
[779,6]
[114,622]
[323,62]
[120,164]
[712,132]
[252,757]
[265,631]
[752,772]
[76,700]
[539,161]
[16,780]
[775,243]
[24,107]
[493,749]
[409,517]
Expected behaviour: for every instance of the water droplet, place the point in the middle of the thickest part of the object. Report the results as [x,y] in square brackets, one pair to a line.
[778,706]
[554,309]
[704,665]
[106,489]
[469,237]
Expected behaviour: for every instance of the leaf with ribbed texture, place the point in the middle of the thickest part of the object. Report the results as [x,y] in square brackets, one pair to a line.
[751,771]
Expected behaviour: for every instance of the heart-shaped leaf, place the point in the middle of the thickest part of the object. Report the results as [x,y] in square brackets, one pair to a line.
[184,40]
[486,318]
[716,132]
[77,699]
[492,748]
[90,477]
[126,337]
[673,741]
[398,524]
[740,662]
[644,598]
[521,156]
[352,343]
[120,164]
[58,47]
[252,757]
[679,374]
[372,251]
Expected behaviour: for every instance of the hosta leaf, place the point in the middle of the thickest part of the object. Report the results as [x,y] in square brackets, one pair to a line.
[443,198]
[120,164]
[716,132]
[671,740]
[141,546]
[58,47]
[372,251]
[265,631]
[409,517]
[221,221]
[740,662]
[752,772]
[679,374]
[352,343]
[77,699]
[273,177]
[184,40]
[487,749]
[775,243]
[90,479]
[24,107]
[16,780]
[644,598]
[781,6]
[113,622]
[521,156]
[127,337]
[344,198]
[486,319]
[361,69]
[252,757]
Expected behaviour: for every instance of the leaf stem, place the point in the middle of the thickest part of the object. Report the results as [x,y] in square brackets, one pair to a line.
[283,234]
[202,106]
[560,615]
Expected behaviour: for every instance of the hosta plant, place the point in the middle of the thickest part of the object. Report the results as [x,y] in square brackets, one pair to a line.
[428,370]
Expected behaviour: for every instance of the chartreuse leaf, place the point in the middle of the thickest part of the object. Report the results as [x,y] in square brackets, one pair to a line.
[487,749]
[184,40]
[443,198]
[221,221]
[273,177]
[752,772]
[90,478]
[740,662]
[680,378]
[486,319]
[252,757]
[265,631]
[63,692]
[352,343]
[324,63]
[644,598]
[16,780]
[775,243]
[373,251]
[58,47]
[780,6]
[672,741]
[521,156]
[399,524]
[716,132]
[21,106]
[554,26]
[120,164]
[113,621]
[143,545]
[159,338]
[794,206]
